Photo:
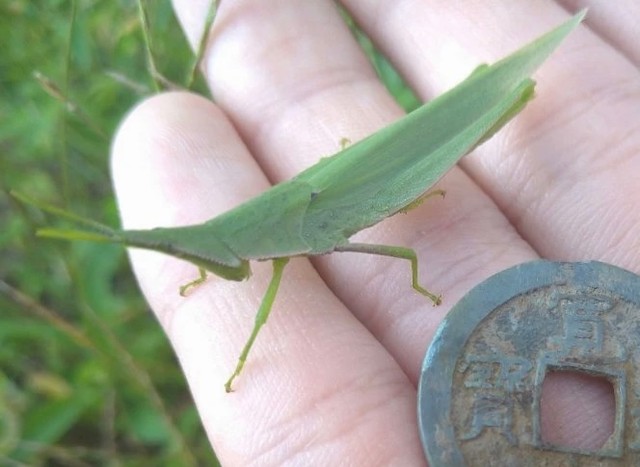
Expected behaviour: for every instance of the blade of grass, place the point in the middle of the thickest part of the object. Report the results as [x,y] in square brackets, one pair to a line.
[62,159]
[54,90]
[202,44]
[138,88]
[117,354]
[160,82]
[47,314]
[124,360]
[146,35]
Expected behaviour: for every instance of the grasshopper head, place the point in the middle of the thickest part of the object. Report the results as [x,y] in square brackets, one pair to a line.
[197,244]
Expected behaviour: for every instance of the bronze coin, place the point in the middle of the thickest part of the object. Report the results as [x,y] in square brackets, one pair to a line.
[481,382]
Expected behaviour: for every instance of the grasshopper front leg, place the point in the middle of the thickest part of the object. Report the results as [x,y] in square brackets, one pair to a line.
[261,316]
[194,283]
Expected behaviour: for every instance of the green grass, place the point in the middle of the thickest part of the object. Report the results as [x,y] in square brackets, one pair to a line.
[71,391]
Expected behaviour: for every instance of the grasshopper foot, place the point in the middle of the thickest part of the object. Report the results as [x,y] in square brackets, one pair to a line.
[194,283]
[417,202]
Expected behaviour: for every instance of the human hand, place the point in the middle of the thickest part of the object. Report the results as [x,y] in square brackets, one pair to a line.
[332,378]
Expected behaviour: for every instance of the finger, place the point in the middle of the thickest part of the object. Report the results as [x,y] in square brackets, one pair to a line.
[268,75]
[398,335]
[564,172]
[548,171]
[313,363]
[615,22]
[291,119]
[462,245]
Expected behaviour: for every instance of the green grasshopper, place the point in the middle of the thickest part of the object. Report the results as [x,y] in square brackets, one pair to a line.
[317,211]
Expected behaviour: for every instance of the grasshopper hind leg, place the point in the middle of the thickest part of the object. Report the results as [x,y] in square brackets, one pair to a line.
[417,202]
[396,252]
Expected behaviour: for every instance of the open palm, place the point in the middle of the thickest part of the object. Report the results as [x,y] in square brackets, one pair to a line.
[332,378]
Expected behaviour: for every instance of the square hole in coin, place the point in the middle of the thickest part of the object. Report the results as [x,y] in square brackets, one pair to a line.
[578,411]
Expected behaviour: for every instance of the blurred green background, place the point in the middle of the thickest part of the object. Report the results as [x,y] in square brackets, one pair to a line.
[86,375]
[71,391]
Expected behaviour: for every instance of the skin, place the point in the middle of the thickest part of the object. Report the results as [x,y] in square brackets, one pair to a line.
[336,368]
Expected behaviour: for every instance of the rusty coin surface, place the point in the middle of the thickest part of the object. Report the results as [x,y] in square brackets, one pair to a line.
[481,382]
